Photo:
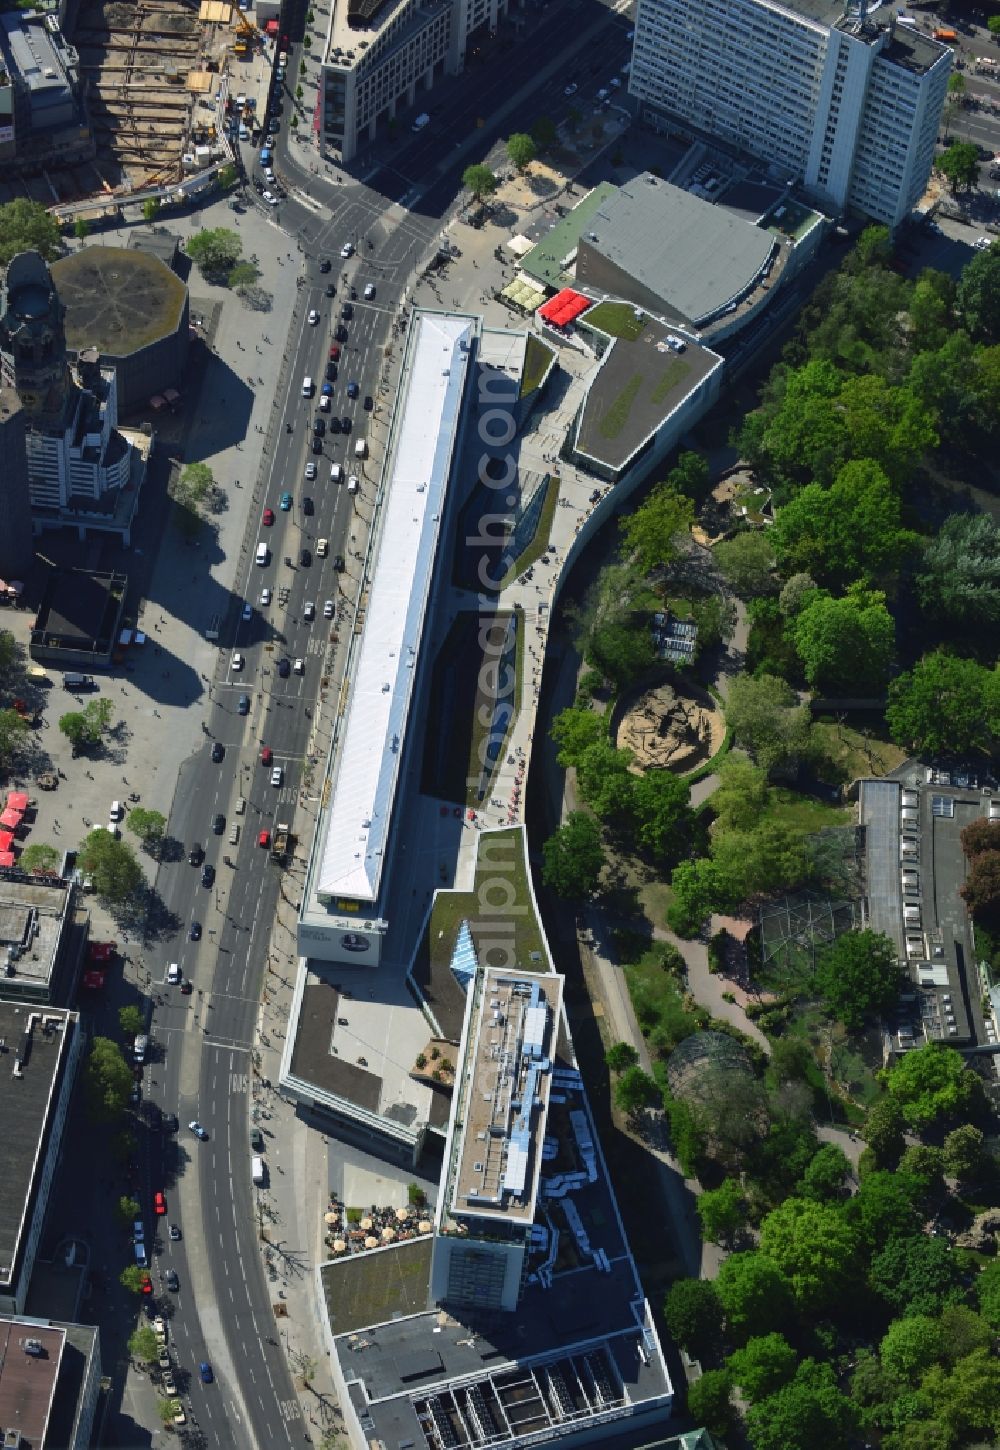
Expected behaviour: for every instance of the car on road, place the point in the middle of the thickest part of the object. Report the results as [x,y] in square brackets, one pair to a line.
[331,376]
[170,1123]
[208,874]
[243,705]
[218,823]
[325,265]
[341,333]
[265,596]
[147,1285]
[334,424]
[352,389]
[160,1327]
[313,317]
[186,987]
[369,404]
[305,558]
[331,290]
[247,612]
[269,196]
[347,312]
[174,973]
[266,755]
[323,545]
[339,564]
[196,854]
[334,352]
[205,1370]
[310,469]
[285,502]
[175,1236]
[346,424]
[319,427]
[299,666]
[284,668]
[277,776]
[347,250]
[218,751]
[267,517]
[264,840]
[238,661]
[170,1278]
[194,931]
[159,1202]
[571,89]
[369,290]
[328,606]
[317,445]
[307,504]
[198,1130]
[309,611]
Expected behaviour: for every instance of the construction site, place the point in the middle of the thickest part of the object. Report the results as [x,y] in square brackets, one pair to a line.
[151,73]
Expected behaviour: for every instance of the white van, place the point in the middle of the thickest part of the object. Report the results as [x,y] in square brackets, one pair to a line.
[336,473]
[116,812]
[140,1047]
[323,548]
[263,555]
[307,387]
[360,448]
[257,1171]
[353,484]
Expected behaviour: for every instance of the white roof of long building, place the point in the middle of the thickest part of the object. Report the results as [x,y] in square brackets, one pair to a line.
[361,802]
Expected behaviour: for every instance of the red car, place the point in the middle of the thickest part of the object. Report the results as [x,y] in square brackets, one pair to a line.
[264,839]
[335,352]
[147,1284]
[266,755]
[159,1202]
[268,517]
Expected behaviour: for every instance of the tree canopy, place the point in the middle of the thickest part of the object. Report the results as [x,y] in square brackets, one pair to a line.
[26,226]
[959,164]
[851,530]
[858,975]
[116,873]
[521,150]
[215,252]
[766,718]
[933,1083]
[960,575]
[653,532]
[693,1315]
[108,1081]
[816,1249]
[763,1365]
[945,704]
[809,1411]
[747,560]
[978,297]
[479,180]
[573,856]
[846,645]
[754,1293]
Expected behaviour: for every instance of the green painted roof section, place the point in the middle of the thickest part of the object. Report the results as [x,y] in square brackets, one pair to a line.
[545,261]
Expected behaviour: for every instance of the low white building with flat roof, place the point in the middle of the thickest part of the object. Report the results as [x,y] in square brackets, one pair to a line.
[341,917]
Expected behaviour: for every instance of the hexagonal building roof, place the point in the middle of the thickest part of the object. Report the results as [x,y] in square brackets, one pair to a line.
[118,300]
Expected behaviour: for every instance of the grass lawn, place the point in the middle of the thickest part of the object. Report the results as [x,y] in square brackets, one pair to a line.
[855,752]
[803,813]
[617,319]
[616,415]
[501,881]
[540,541]
[671,379]
[654,898]
[537,357]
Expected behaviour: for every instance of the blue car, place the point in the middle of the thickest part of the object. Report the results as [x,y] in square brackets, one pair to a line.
[286,502]
[205,1370]
[327,390]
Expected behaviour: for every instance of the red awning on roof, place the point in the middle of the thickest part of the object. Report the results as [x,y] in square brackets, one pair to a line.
[271,27]
[564,307]
[6,858]
[6,840]
[11,818]
[18,800]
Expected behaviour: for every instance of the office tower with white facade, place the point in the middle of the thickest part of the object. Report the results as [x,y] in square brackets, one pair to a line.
[382,55]
[841,100]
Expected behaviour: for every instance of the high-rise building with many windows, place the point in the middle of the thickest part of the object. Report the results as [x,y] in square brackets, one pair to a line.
[843,101]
